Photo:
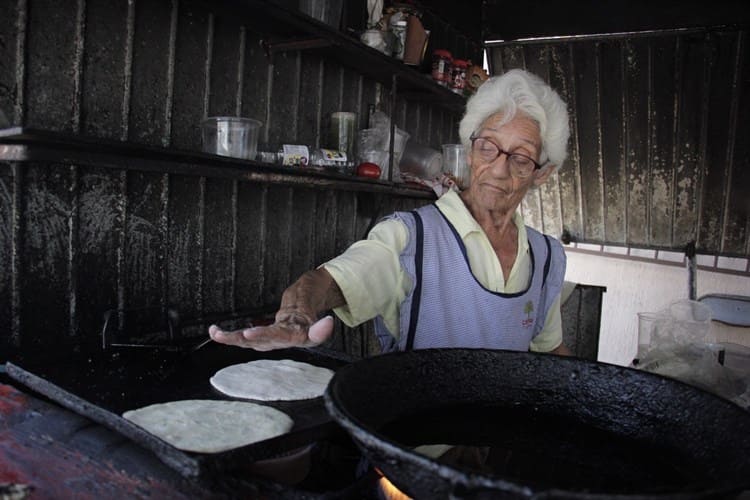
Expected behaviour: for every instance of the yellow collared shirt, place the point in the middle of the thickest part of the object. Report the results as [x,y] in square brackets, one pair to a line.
[373,283]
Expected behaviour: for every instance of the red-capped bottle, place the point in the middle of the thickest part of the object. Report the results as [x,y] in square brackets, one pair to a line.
[441,67]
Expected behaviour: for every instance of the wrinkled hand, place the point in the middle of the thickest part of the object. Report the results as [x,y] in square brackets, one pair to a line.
[289,330]
[296,321]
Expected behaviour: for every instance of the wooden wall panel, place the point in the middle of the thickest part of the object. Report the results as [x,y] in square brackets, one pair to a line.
[568,174]
[189,103]
[302,232]
[45,294]
[613,161]
[325,226]
[311,91]
[586,77]
[284,99]
[12,41]
[100,224]
[220,242]
[256,84]
[155,29]
[690,76]
[636,123]
[251,245]
[144,245]
[107,59]
[8,240]
[186,216]
[278,240]
[661,140]
[51,94]
[227,51]
[722,60]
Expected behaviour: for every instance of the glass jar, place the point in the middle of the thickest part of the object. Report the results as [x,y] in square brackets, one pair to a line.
[441,67]
[399,30]
[458,75]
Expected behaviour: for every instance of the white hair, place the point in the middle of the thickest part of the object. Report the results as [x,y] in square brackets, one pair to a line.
[519,90]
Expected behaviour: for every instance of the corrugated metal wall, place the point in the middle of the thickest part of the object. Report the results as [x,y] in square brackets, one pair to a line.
[79,239]
[660,143]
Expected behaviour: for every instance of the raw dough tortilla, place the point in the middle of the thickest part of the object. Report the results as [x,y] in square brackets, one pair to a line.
[272,380]
[210,426]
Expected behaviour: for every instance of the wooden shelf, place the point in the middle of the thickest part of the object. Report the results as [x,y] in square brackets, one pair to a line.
[28,145]
[287,28]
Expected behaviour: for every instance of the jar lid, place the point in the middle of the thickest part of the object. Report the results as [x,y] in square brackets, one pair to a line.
[441,53]
[461,63]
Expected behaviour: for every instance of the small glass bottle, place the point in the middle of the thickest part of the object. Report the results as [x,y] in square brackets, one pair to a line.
[441,67]
[399,29]
[330,158]
[458,75]
[293,155]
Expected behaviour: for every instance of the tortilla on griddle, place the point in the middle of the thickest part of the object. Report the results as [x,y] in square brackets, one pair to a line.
[210,426]
[272,380]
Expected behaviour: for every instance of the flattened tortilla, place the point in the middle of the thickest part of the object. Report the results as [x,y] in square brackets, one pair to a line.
[210,426]
[272,380]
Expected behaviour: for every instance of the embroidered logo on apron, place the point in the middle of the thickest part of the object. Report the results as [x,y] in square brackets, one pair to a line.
[528,309]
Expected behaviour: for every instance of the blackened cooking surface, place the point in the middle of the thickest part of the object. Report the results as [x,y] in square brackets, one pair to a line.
[546,451]
[540,425]
[103,384]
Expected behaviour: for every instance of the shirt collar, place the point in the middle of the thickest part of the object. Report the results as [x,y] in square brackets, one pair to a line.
[454,209]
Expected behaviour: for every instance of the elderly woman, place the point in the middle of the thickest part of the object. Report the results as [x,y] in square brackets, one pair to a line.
[464,271]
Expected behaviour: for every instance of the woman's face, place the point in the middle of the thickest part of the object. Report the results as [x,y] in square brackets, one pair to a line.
[492,185]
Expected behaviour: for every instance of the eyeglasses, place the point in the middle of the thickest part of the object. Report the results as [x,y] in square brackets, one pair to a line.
[520,165]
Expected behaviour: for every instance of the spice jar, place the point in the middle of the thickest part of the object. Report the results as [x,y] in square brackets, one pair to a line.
[441,67]
[458,75]
[399,30]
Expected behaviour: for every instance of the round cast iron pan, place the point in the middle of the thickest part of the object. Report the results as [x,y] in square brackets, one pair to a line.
[555,427]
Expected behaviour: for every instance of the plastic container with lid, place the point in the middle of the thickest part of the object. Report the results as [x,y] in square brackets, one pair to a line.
[458,75]
[441,67]
[230,136]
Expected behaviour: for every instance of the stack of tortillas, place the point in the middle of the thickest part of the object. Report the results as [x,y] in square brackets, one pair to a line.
[272,380]
[209,426]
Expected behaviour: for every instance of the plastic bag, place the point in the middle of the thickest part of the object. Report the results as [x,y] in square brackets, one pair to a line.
[678,348]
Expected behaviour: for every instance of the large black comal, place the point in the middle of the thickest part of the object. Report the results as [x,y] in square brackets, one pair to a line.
[546,427]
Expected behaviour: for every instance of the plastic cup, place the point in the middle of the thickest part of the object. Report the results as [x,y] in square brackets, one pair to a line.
[371,149]
[231,136]
[343,132]
[421,161]
[454,163]
[399,145]
[648,325]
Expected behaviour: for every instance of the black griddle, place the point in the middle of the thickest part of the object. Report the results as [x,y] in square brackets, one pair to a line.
[103,384]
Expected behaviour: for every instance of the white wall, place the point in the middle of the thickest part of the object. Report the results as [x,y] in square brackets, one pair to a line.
[635,286]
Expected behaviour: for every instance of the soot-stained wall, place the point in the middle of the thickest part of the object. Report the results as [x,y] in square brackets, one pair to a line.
[78,237]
